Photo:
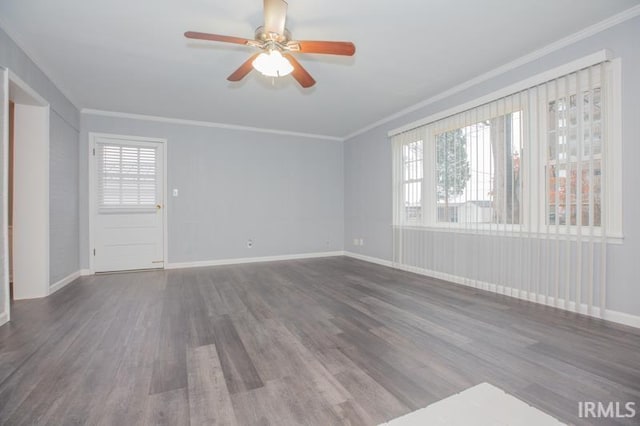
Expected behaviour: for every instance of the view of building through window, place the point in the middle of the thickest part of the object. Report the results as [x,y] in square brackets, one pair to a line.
[574,149]
[472,168]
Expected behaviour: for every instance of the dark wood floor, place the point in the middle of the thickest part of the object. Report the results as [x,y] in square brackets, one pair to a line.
[322,341]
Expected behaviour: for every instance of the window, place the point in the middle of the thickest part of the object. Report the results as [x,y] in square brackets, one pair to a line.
[412,171]
[127,176]
[478,171]
[574,157]
[531,160]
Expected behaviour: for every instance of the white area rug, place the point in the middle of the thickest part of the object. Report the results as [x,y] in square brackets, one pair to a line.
[480,405]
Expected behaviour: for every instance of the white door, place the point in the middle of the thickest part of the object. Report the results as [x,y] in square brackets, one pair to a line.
[128,203]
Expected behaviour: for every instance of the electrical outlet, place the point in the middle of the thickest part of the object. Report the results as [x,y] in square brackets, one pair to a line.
[175,192]
[249,243]
[361,242]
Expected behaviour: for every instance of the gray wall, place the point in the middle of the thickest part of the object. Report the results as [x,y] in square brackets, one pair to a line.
[64,221]
[63,168]
[367,162]
[283,192]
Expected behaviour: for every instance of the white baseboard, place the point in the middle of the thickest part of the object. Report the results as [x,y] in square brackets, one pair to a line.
[4,318]
[622,318]
[219,262]
[63,282]
[85,272]
[369,259]
[609,315]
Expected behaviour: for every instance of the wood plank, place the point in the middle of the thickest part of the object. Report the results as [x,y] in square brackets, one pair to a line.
[168,408]
[239,371]
[317,341]
[209,401]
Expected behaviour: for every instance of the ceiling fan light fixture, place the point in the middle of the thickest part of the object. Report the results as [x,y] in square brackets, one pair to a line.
[272,64]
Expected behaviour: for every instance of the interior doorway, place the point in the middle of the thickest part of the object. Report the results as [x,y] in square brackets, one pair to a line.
[28,192]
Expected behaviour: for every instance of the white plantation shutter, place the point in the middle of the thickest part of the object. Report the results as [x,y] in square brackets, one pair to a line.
[127,176]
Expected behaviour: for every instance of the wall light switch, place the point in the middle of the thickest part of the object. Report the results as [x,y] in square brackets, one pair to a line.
[175,192]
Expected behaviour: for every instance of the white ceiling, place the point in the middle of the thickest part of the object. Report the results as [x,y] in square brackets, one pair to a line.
[130,55]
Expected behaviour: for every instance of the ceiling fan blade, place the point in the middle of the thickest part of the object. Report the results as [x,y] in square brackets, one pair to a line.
[299,73]
[215,37]
[275,15]
[344,48]
[244,69]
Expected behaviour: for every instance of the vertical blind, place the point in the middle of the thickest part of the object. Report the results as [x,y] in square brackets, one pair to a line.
[510,196]
[127,176]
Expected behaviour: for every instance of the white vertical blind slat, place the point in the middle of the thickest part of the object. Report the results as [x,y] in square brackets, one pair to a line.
[523,213]
[604,94]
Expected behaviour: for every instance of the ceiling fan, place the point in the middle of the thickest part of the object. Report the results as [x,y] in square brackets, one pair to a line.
[276,44]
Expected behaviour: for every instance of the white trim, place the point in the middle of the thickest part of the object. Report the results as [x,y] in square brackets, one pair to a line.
[31,237]
[578,64]
[609,315]
[36,61]
[165,201]
[236,261]
[13,78]
[64,282]
[530,57]
[613,152]
[369,259]
[186,122]
[85,272]
[92,196]
[4,149]
[622,318]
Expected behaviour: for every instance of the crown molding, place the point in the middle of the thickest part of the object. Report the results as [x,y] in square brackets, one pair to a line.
[186,122]
[552,74]
[37,62]
[557,45]
[530,57]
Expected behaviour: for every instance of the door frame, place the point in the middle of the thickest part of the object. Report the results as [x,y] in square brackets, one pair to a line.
[92,191]
[5,311]
[31,197]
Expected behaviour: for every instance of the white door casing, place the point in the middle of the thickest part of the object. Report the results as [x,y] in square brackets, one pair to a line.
[4,196]
[127,196]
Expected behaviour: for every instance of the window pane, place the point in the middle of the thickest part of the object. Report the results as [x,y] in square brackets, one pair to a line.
[573,173]
[412,175]
[478,172]
[413,200]
[563,179]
